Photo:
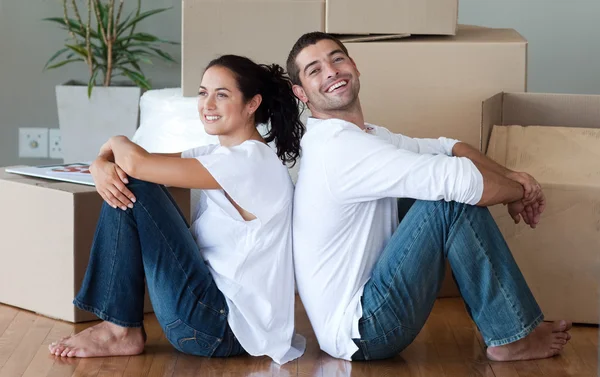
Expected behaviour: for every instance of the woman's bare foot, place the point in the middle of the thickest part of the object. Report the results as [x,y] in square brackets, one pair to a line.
[547,340]
[103,339]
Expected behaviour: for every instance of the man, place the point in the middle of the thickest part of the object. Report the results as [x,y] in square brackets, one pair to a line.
[368,282]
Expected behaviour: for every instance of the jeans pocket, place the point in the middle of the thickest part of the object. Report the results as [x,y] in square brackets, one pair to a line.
[191,341]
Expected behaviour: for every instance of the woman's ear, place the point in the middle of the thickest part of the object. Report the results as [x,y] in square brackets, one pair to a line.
[254,104]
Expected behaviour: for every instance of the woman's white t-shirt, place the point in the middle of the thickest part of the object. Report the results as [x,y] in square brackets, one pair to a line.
[251,261]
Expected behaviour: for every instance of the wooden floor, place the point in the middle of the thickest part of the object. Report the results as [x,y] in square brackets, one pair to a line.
[449,345]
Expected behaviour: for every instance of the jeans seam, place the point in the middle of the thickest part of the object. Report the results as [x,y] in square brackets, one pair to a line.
[387,293]
[493,270]
[522,334]
[105,316]
[113,259]
[175,258]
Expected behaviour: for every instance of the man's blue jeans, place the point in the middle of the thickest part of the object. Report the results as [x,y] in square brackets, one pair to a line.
[405,282]
[152,241]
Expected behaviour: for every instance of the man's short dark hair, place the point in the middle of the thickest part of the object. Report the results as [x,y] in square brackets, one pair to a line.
[304,41]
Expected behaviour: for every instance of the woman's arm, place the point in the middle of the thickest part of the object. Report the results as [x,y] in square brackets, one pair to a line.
[167,169]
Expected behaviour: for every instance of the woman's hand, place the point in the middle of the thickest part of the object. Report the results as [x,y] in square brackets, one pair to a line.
[110,182]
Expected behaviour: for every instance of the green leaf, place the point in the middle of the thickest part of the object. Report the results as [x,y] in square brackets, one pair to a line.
[144,37]
[92,82]
[73,26]
[58,53]
[164,55]
[140,18]
[79,49]
[65,62]
[138,79]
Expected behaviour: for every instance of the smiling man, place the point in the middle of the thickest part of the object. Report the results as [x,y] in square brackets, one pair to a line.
[369,266]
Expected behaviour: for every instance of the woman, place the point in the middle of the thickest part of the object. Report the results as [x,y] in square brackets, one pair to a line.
[225,286]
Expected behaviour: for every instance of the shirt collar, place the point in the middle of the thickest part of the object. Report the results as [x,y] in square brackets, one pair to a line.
[314,122]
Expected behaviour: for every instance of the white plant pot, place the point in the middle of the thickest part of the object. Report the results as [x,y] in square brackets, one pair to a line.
[87,123]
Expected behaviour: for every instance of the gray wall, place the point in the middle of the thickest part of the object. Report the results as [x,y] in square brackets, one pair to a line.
[27,96]
[564,43]
[564,53]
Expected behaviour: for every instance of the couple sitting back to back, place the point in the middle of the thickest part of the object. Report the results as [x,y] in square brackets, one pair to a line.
[375,217]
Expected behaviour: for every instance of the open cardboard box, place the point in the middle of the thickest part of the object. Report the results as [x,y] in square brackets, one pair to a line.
[560,259]
[46,233]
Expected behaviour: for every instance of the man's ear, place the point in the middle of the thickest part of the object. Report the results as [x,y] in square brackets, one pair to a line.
[355,67]
[299,92]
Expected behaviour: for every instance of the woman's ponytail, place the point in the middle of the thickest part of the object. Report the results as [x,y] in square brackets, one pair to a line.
[279,107]
[283,112]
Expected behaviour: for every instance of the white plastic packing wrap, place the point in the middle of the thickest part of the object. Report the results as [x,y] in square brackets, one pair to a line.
[169,122]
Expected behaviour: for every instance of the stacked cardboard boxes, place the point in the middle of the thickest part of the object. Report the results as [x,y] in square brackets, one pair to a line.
[427,78]
[263,30]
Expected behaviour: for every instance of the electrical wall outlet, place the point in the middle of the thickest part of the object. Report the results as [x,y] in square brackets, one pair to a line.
[33,142]
[55,144]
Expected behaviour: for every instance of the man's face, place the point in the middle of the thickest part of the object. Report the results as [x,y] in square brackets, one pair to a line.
[329,78]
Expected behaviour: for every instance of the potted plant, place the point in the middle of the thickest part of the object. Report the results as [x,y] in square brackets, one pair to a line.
[108,43]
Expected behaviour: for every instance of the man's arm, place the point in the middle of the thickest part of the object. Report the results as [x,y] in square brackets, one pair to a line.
[533,191]
[461,149]
[497,188]
[500,182]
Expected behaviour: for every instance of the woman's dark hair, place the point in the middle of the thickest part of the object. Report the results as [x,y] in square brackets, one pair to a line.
[279,105]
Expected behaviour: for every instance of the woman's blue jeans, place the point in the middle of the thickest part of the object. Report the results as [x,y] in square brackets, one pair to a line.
[407,278]
[152,241]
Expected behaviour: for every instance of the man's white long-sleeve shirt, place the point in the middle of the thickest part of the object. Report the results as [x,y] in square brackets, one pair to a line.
[345,212]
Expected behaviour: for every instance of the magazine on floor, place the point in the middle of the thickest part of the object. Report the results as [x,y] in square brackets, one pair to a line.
[74,172]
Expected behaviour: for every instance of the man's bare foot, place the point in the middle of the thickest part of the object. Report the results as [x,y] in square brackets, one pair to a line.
[547,340]
[103,339]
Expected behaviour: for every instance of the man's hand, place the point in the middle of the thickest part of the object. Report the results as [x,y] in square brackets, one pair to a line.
[530,213]
[532,188]
[110,182]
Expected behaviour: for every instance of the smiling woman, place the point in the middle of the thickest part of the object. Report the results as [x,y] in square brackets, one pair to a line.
[225,285]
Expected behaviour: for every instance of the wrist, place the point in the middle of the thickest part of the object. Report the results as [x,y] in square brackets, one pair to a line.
[510,174]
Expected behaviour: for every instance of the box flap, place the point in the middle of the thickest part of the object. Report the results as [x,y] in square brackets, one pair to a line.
[349,38]
[562,110]
[491,114]
[468,34]
[565,156]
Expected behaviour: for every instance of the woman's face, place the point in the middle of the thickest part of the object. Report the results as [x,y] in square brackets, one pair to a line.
[221,105]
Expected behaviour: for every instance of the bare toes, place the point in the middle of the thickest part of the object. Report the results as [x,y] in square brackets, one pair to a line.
[561,335]
[561,326]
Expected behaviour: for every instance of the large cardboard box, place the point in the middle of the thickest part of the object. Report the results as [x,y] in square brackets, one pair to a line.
[263,30]
[434,86]
[560,259]
[46,233]
[392,16]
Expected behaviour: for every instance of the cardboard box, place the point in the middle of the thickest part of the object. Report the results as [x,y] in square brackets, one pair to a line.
[263,30]
[392,16]
[434,86]
[560,259]
[46,229]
